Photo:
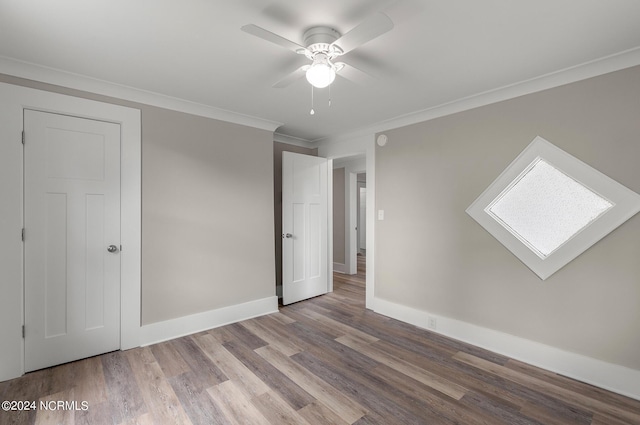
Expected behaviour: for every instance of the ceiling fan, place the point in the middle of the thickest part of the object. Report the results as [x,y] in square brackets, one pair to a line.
[322,46]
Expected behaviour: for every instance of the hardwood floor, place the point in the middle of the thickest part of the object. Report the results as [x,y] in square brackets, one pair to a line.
[322,361]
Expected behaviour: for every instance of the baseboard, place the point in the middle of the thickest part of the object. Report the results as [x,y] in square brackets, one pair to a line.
[175,328]
[611,377]
[340,268]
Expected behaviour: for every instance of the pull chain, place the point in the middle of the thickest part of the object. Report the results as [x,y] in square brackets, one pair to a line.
[329,95]
[312,112]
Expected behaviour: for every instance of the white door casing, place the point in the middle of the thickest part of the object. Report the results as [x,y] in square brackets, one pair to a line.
[305,272]
[13,100]
[71,215]
[362,216]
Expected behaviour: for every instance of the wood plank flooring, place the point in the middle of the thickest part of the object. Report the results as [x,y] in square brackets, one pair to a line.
[322,361]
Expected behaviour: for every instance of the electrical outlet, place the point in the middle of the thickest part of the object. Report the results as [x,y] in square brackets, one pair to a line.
[432,323]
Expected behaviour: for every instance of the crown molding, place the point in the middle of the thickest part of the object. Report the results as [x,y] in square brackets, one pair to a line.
[291,140]
[16,68]
[605,65]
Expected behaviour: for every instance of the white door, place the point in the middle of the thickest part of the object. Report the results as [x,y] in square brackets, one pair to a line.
[304,227]
[71,217]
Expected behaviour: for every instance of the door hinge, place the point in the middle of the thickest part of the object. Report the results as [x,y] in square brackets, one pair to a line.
[23,137]
[22,331]
[23,234]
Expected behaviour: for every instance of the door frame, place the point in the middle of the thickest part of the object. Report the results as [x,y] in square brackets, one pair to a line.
[358,145]
[13,100]
[353,164]
[359,187]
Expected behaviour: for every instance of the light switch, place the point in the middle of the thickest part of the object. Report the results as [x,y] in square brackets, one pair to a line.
[380,215]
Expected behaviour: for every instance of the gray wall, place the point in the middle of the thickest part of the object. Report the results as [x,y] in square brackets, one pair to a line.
[207,210]
[339,255]
[207,215]
[430,255]
[278,148]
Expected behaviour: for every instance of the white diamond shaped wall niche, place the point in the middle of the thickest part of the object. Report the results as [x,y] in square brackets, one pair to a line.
[545,208]
[548,207]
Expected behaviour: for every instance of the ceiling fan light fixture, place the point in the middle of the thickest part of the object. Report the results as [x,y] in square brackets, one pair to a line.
[321,73]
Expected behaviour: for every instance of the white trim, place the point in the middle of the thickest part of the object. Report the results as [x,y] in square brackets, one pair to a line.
[13,100]
[612,63]
[359,225]
[330,263]
[290,140]
[131,232]
[187,325]
[351,219]
[609,376]
[340,268]
[371,221]
[58,77]
[572,74]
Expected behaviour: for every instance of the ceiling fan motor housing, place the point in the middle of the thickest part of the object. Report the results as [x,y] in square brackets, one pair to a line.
[319,39]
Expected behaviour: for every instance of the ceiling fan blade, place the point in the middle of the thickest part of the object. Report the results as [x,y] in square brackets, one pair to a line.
[274,38]
[352,73]
[370,28]
[295,75]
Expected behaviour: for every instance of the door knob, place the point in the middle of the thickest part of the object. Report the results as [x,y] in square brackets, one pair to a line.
[288,235]
[112,248]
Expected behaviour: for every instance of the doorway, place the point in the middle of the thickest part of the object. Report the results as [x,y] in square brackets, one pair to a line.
[13,99]
[363,148]
[349,227]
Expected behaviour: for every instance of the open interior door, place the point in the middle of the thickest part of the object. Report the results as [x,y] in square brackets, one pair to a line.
[305,208]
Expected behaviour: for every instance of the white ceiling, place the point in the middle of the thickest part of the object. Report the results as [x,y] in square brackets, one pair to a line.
[439,51]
